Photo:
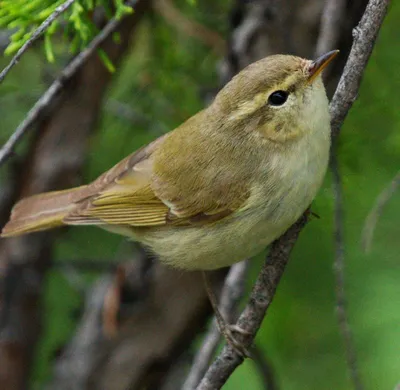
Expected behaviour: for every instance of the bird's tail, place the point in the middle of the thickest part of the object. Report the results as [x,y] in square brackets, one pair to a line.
[41,212]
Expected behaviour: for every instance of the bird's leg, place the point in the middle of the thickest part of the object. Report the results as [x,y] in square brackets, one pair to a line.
[225,329]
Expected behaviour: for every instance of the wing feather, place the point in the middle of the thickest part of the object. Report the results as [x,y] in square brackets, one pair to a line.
[125,195]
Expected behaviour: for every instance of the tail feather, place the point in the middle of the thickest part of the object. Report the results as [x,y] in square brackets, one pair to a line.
[43,211]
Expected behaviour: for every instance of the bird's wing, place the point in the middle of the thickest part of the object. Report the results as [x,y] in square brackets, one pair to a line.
[132,194]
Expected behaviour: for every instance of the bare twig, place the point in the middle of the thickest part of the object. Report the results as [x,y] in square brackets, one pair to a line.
[339,262]
[231,294]
[364,36]
[263,291]
[265,368]
[35,36]
[330,26]
[50,164]
[328,39]
[56,87]
[255,310]
[376,211]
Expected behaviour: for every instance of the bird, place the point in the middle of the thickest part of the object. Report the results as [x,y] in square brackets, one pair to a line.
[221,186]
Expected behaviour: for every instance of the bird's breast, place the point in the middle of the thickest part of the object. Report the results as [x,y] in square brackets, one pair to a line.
[277,200]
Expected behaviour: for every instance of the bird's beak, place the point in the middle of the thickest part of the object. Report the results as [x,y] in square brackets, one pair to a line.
[318,65]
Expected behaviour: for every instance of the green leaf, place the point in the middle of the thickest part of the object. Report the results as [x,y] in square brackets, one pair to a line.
[25,16]
[106,60]
[48,48]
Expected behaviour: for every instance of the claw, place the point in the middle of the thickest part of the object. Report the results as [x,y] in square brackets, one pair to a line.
[227,331]
[236,328]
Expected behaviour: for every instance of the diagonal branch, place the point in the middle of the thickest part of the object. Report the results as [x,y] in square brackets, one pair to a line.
[331,21]
[35,36]
[230,295]
[364,36]
[57,86]
[54,160]
[339,263]
[260,299]
[263,291]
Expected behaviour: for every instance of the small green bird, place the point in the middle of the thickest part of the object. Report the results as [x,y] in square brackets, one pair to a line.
[221,186]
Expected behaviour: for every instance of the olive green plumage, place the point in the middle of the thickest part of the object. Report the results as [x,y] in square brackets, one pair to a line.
[221,186]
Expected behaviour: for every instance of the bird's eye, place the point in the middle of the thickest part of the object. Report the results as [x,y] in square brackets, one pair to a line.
[277,98]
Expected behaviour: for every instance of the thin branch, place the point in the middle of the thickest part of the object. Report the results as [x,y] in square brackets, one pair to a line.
[376,212]
[330,26]
[364,36]
[263,291]
[56,87]
[338,266]
[231,294]
[331,21]
[35,36]
[252,316]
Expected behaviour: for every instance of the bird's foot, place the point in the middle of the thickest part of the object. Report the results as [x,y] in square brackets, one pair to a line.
[228,331]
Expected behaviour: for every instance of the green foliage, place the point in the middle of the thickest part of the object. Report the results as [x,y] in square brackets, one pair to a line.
[25,16]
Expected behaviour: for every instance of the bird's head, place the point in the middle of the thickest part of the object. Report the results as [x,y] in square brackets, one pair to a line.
[281,97]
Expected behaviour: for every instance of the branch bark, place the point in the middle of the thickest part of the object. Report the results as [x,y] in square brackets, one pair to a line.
[331,23]
[230,295]
[48,98]
[338,266]
[159,316]
[54,160]
[364,38]
[251,318]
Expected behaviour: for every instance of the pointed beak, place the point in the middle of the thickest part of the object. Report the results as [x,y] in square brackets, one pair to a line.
[318,65]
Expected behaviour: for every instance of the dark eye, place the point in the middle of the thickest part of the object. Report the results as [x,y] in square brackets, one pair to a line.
[277,98]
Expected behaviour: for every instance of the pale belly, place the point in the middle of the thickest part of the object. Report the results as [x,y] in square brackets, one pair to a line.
[217,246]
[277,204]
[233,239]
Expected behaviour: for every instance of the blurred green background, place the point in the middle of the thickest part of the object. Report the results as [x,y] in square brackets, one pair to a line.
[161,84]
